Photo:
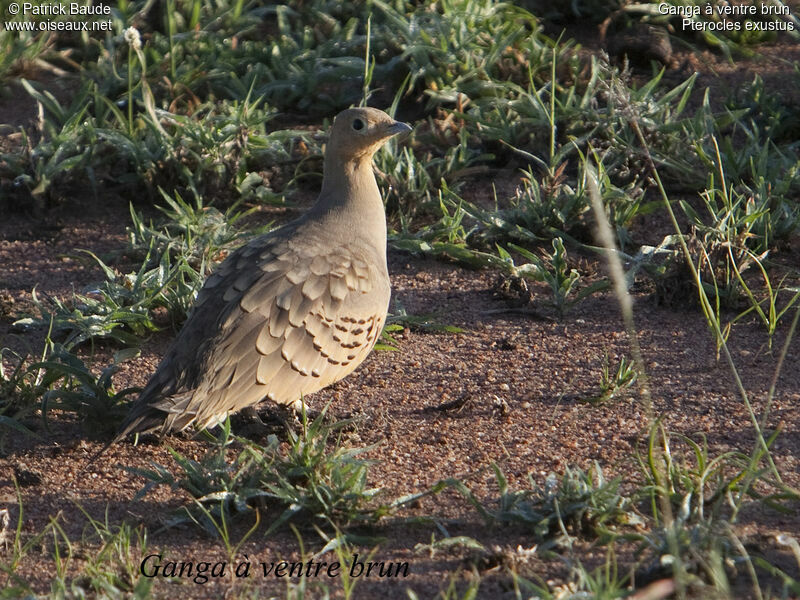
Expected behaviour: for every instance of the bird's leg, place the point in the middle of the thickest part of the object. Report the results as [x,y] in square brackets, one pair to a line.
[252,424]
[273,418]
[251,414]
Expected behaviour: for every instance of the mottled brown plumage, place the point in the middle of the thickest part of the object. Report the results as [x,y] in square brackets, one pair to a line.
[293,310]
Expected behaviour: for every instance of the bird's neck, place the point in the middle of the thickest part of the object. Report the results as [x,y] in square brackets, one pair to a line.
[347,181]
[349,192]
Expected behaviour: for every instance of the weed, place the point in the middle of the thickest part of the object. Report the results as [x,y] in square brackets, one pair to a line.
[705,493]
[21,49]
[113,568]
[228,487]
[110,570]
[100,408]
[66,151]
[117,310]
[200,235]
[602,583]
[553,271]
[409,180]
[694,506]
[20,388]
[215,152]
[176,260]
[308,479]
[345,553]
[18,547]
[539,210]
[463,45]
[612,383]
[444,238]
[579,502]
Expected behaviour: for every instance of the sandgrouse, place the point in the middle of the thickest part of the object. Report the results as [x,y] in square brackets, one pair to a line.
[292,311]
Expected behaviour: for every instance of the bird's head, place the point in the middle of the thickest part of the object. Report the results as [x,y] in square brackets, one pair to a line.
[359,132]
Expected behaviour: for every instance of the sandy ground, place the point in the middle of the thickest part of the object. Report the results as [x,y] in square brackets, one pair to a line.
[509,389]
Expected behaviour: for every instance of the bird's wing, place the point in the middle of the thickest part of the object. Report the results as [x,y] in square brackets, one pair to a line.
[293,322]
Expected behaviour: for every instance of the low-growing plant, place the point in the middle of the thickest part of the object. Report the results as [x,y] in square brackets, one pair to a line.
[405,180]
[454,583]
[554,271]
[19,48]
[464,45]
[176,259]
[113,569]
[21,387]
[67,149]
[121,307]
[612,383]
[218,524]
[697,485]
[213,481]
[603,582]
[539,210]
[78,326]
[110,569]
[555,205]
[577,503]
[309,479]
[446,237]
[408,182]
[769,312]
[20,390]
[735,235]
[771,118]
[196,233]
[596,110]
[99,406]
[16,548]
[705,494]
[694,497]
[312,479]
[216,151]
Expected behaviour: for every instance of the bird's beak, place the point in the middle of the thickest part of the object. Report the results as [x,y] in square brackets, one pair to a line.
[398,127]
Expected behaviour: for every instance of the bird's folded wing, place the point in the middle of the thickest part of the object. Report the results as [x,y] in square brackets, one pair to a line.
[294,322]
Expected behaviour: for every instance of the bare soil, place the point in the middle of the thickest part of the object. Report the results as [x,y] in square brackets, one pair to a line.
[509,389]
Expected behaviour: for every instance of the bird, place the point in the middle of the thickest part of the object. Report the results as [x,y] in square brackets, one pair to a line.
[290,312]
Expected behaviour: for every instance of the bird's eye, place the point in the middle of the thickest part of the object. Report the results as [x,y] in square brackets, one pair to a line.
[358,124]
